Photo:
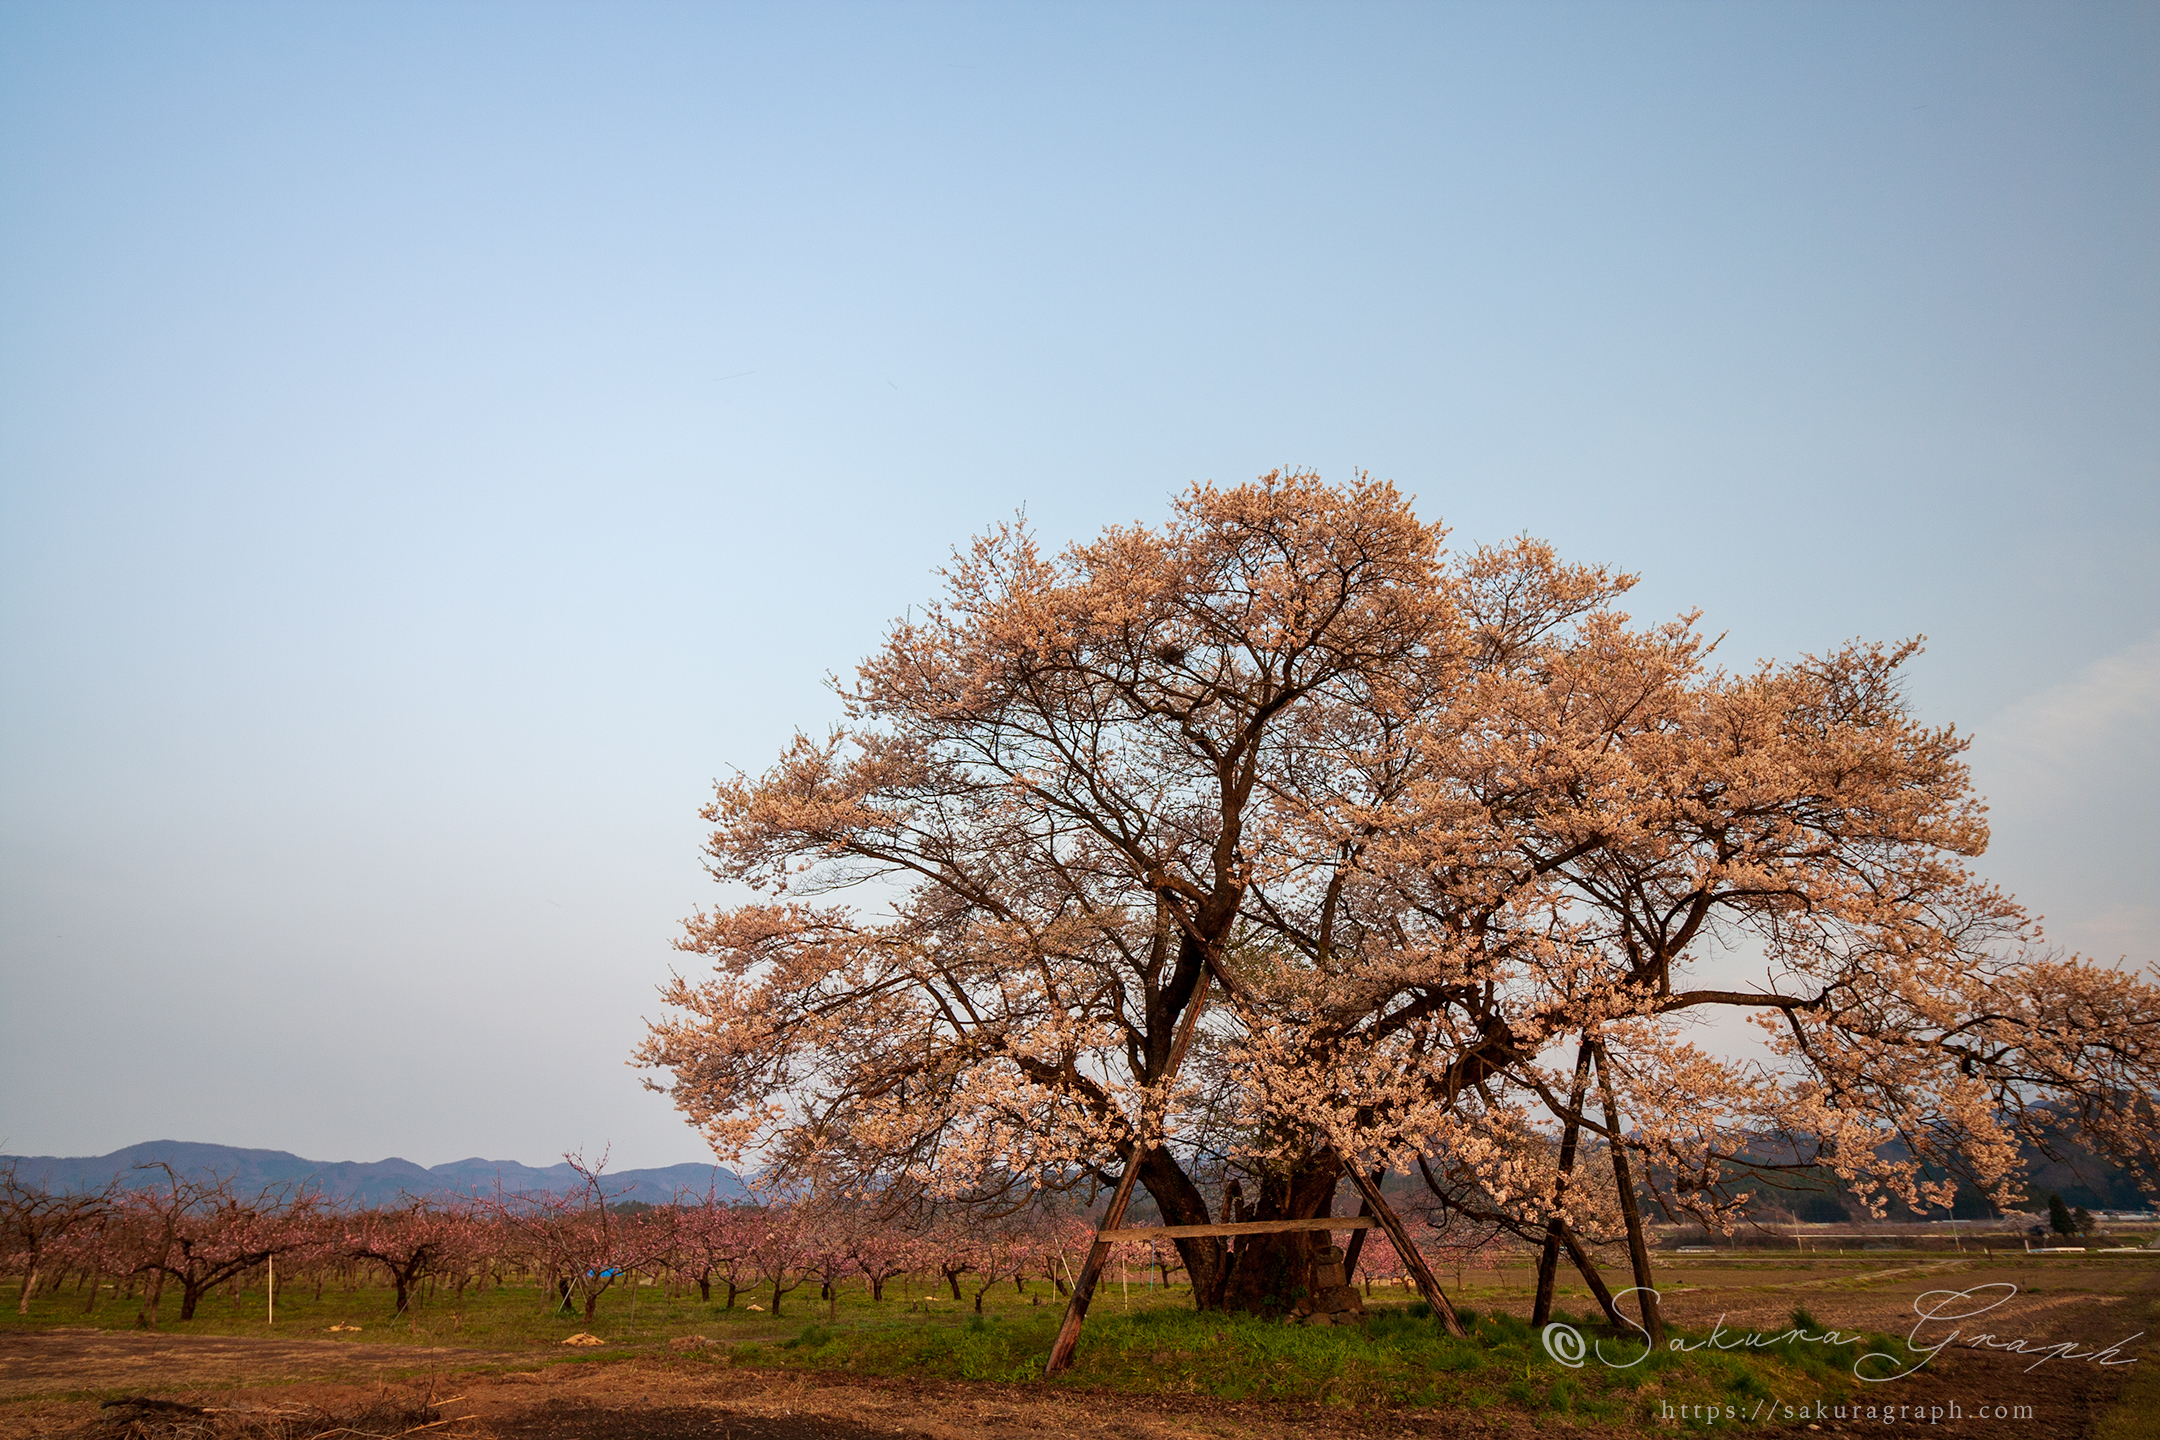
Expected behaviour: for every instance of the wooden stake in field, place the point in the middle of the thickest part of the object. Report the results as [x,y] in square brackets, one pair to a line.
[1548,1269]
[1099,1252]
[1630,1212]
[1399,1236]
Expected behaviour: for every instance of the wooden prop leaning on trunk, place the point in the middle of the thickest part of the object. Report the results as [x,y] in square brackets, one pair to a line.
[1098,1257]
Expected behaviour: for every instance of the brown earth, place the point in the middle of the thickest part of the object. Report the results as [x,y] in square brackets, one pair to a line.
[2094,1305]
[41,1362]
[656,1399]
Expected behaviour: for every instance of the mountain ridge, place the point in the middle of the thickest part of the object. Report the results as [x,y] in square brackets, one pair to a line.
[364,1182]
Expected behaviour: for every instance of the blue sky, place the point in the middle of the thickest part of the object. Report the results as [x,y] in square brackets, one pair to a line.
[435,440]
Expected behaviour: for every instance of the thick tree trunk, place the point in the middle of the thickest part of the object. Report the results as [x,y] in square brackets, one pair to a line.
[1273,1272]
[1207,1259]
[704,1288]
[22,1297]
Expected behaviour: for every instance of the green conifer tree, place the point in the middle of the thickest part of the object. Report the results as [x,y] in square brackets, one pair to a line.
[2059,1216]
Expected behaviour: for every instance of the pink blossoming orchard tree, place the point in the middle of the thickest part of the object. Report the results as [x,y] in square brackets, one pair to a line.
[413,1241]
[882,1252]
[200,1233]
[1441,848]
[36,1225]
[576,1240]
[783,1250]
[712,1240]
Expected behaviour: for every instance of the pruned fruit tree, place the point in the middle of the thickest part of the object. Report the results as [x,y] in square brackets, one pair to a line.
[1455,855]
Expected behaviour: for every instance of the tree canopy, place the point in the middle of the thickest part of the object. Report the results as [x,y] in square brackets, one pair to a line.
[1437,836]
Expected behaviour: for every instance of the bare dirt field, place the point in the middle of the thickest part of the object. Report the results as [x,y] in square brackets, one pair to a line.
[72,1360]
[2090,1305]
[651,1399]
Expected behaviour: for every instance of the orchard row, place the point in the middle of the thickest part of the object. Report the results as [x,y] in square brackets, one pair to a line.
[172,1235]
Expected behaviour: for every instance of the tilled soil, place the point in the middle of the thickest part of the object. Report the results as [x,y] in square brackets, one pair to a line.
[38,1362]
[672,1401]
[1962,1391]
[653,1399]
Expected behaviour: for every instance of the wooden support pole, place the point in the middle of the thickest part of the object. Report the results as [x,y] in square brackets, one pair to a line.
[1083,1290]
[1428,1286]
[1630,1211]
[1590,1276]
[1549,1257]
[1076,1308]
[1356,1247]
[1239,1227]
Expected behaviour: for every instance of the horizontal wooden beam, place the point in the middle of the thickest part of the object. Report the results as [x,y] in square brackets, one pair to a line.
[1243,1227]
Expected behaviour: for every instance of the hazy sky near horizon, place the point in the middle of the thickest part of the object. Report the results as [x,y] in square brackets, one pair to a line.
[436,440]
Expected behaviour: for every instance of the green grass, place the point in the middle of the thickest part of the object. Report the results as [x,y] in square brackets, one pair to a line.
[1149,1343]
[2136,1415]
[1398,1357]
[513,1318]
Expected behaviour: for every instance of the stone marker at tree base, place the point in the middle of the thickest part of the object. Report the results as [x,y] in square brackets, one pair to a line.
[1334,1300]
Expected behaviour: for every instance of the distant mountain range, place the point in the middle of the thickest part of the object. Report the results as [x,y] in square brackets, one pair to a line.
[359,1182]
